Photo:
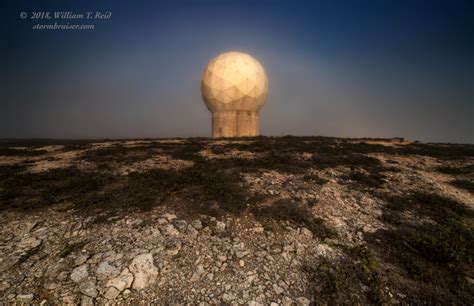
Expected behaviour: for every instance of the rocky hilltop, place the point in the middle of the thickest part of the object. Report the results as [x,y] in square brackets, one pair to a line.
[287,220]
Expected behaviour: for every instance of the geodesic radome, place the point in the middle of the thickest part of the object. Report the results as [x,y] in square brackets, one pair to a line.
[234,81]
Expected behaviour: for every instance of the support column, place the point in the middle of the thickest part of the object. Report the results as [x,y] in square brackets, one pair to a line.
[235,124]
[247,124]
[224,124]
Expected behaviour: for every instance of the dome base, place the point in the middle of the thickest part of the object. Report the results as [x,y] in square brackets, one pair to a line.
[235,124]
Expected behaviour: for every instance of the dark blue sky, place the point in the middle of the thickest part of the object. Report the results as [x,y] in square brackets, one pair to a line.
[336,68]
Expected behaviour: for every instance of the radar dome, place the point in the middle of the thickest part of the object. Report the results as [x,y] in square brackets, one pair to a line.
[234,88]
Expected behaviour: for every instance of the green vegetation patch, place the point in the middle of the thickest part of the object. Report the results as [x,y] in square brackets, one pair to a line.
[354,278]
[422,204]
[434,247]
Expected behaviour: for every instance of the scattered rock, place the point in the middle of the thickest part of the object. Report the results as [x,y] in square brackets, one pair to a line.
[106,271]
[95,259]
[88,288]
[199,261]
[51,286]
[251,279]
[162,221]
[29,243]
[170,230]
[24,298]
[87,301]
[181,225]
[198,273]
[4,285]
[286,301]
[79,274]
[24,228]
[241,254]
[197,224]
[324,250]
[80,259]
[302,301]
[169,217]
[306,233]
[192,232]
[111,293]
[144,271]
[220,226]
[228,297]
[173,247]
[121,282]
[200,270]
[278,289]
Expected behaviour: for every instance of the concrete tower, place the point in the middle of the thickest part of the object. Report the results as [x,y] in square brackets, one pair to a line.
[234,87]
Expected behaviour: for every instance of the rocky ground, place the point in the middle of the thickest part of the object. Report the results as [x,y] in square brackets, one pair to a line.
[288,220]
